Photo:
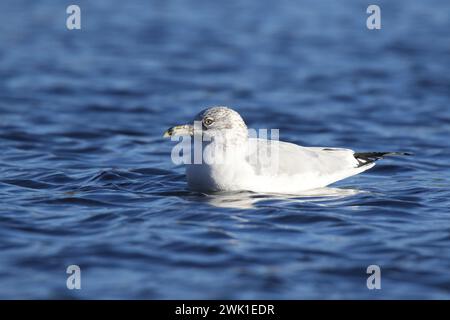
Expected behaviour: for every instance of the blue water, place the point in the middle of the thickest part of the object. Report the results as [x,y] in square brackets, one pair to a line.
[86,177]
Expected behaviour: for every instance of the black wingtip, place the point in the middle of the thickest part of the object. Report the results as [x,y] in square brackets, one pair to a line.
[369,157]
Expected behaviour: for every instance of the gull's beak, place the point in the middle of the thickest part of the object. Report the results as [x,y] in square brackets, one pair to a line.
[184,130]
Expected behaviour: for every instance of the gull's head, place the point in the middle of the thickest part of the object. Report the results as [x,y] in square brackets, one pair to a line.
[212,123]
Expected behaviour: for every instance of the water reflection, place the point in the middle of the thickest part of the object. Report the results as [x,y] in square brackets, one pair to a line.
[248,200]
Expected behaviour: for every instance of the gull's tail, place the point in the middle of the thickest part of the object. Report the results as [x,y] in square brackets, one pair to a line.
[365,158]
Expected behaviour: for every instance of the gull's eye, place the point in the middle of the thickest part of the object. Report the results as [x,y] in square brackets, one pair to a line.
[208,121]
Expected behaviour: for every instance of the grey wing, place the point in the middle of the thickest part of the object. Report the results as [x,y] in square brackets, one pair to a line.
[278,157]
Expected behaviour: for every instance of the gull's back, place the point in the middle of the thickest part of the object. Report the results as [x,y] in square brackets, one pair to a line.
[286,167]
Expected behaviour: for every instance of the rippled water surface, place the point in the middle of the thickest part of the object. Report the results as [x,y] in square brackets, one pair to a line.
[86,178]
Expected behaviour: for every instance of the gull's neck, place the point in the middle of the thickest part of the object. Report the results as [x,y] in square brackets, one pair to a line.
[228,146]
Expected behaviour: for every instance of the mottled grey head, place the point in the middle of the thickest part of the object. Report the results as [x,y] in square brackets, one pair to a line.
[216,119]
[213,122]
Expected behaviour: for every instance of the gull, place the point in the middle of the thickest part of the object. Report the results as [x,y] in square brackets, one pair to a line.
[233,160]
